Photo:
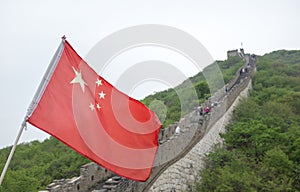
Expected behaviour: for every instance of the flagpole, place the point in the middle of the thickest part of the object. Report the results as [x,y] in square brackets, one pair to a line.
[46,78]
[34,103]
[23,125]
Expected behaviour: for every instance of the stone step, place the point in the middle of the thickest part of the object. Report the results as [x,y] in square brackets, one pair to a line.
[111,182]
[110,187]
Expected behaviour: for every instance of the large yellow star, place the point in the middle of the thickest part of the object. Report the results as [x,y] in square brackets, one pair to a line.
[78,79]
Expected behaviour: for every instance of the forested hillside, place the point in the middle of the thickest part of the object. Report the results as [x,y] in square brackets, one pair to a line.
[262,150]
[37,164]
[170,98]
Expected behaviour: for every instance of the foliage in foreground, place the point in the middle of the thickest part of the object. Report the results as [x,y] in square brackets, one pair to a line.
[262,150]
[36,164]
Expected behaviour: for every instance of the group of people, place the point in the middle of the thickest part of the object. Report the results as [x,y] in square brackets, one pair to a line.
[206,110]
[202,111]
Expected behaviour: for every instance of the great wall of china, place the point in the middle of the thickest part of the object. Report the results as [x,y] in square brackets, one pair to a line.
[180,157]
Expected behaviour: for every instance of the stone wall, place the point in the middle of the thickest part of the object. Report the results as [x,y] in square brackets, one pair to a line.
[181,175]
[232,53]
[90,174]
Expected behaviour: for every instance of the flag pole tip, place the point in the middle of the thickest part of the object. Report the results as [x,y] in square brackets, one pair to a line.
[64,38]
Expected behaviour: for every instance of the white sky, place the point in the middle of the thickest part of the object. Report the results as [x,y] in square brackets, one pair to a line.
[30,32]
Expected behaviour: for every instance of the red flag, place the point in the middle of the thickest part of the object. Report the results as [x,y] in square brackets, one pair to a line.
[84,111]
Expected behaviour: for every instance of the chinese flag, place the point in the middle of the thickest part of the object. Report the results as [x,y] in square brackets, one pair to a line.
[88,114]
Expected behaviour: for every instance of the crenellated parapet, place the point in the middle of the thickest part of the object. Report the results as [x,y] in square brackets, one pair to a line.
[90,174]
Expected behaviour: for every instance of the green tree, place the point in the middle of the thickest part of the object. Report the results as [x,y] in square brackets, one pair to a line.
[262,143]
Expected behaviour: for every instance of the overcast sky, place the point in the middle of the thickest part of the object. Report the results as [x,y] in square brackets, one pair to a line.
[30,33]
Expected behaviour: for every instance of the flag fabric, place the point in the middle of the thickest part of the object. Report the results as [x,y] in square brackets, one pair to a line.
[88,114]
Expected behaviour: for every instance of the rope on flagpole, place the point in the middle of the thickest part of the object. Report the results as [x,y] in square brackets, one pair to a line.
[23,126]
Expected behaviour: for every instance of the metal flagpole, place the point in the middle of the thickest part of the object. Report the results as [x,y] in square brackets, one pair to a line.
[12,150]
[35,102]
